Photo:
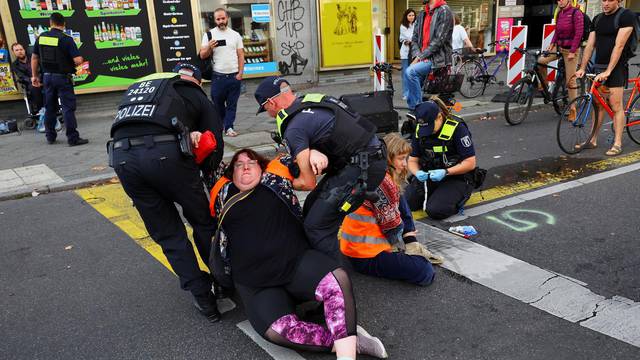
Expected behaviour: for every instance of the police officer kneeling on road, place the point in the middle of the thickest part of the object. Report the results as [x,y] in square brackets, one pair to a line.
[160,118]
[357,159]
[59,55]
[442,161]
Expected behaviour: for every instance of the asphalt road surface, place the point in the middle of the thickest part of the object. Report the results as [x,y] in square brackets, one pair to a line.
[81,280]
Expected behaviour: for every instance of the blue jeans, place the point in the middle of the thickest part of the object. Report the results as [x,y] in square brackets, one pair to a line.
[225,92]
[414,78]
[59,86]
[405,65]
[397,266]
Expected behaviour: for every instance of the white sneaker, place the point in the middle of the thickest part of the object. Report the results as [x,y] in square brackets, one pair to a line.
[231,132]
[369,345]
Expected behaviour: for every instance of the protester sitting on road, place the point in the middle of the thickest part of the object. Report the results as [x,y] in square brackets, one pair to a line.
[21,67]
[613,51]
[567,37]
[370,234]
[430,47]
[273,266]
[406,34]
[442,162]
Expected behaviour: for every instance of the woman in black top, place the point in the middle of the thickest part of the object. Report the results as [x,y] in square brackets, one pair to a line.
[273,266]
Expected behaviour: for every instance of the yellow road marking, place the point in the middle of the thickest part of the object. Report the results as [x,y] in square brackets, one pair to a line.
[113,203]
[502,191]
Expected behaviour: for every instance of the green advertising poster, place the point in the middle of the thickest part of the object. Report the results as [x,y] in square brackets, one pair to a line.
[113,36]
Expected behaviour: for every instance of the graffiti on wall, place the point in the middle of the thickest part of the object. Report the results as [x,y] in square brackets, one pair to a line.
[291,29]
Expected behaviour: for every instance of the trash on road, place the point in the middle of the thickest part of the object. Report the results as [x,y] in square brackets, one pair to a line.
[464,231]
[34,193]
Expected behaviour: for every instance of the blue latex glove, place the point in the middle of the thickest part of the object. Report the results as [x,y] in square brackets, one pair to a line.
[422,175]
[437,175]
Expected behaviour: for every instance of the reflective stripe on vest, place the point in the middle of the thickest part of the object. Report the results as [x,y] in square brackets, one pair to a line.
[439,149]
[279,120]
[361,236]
[48,41]
[156,76]
[448,129]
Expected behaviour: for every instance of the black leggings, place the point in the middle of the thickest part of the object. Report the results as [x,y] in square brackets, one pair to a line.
[271,310]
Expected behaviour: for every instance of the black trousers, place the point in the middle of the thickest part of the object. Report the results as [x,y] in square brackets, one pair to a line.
[323,217]
[155,178]
[445,198]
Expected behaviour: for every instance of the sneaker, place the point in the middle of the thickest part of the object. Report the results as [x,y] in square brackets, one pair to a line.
[369,345]
[207,306]
[58,125]
[79,141]
[231,132]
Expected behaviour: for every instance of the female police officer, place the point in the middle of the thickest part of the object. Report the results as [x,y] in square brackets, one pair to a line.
[442,161]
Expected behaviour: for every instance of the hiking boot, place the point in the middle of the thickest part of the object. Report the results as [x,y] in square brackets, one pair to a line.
[369,345]
[207,306]
[79,141]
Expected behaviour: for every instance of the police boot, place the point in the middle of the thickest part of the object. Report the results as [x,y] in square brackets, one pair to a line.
[207,305]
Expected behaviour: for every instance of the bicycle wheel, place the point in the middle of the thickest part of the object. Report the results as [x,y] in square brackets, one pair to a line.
[633,116]
[519,101]
[473,83]
[572,133]
[560,95]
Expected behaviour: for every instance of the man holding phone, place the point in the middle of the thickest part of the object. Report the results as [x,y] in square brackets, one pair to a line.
[224,47]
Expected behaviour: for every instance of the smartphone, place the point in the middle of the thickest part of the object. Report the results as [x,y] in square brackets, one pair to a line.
[222,42]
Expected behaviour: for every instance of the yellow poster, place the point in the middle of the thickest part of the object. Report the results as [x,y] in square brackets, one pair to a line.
[347,34]
[7,87]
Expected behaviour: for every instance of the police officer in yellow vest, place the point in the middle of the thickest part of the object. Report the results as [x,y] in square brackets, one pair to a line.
[442,162]
[59,55]
[356,157]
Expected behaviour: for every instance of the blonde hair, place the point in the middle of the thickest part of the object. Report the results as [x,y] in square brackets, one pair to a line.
[396,145]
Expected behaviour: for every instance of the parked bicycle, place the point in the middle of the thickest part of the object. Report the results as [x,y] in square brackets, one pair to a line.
[572,135]
[518,104]
[475,69]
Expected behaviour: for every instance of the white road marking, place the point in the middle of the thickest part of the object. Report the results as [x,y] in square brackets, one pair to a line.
[276,352]
[517,199]
[554,293]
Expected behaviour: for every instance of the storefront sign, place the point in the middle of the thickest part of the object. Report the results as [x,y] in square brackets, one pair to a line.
[347,38]
[113,36]
[261,68]
[511,11]
[175,32]
[7,86]
[261,13]
[502,33]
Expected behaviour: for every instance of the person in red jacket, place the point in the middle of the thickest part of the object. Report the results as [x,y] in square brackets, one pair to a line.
[566,39]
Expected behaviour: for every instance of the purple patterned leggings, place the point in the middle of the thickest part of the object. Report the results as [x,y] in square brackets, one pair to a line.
[304,333]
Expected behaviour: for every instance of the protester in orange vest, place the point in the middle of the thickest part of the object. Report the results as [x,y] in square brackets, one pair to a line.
[370,235]
[273,266]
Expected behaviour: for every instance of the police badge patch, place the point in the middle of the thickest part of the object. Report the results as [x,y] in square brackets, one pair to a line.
[466,141]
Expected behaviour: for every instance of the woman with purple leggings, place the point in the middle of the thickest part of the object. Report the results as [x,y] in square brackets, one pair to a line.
[274,268]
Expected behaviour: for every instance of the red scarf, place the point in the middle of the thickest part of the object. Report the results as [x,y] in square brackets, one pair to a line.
[426,26]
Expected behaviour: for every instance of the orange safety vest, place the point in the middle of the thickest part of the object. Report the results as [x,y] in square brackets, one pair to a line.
[361,236]
[274,167]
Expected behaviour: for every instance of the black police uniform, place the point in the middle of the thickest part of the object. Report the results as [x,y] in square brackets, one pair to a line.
[448,147]
[349,141]
[56,51]
[147,158]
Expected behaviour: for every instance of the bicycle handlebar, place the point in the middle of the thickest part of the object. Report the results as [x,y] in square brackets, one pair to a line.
[538,52]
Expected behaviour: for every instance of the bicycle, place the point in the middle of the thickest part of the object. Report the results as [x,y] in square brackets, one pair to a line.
[476,69]
[522,92]
[586,115]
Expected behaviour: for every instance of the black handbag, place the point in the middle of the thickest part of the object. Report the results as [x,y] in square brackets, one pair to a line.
[219,263]
[206,65]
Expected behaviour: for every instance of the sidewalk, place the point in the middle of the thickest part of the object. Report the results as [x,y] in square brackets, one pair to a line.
[28,163]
